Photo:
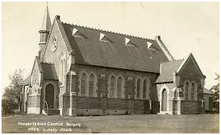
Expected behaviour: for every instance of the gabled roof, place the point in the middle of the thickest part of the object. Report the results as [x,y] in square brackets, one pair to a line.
[206,91]
[190,56]
[49,72]
[115,54]
[36,61]
[28,79]
[167,70]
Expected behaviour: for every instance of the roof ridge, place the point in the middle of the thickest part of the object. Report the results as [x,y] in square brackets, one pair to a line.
[102,30]
[172,61]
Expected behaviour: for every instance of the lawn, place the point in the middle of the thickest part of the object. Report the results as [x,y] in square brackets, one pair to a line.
[206,123]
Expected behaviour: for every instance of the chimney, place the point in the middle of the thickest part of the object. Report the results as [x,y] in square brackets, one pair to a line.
[164,48]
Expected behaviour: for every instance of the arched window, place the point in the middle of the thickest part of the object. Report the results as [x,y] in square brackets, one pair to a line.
[138,88]
[144,88]
[62,68]
[92,81]
[61,71]
[193,91]
[83,84]
[164,100]
[146,91]
[186,90]
[120,87]
[112,86]
[196,92]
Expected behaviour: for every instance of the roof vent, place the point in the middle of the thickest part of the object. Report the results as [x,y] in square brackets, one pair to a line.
[129,43]
[104,38]
[76,33]
[151,47]
[149,44]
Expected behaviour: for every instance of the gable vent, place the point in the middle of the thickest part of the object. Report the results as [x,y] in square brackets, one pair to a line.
[128,42]
[76,33]
[104,38]
[149,44]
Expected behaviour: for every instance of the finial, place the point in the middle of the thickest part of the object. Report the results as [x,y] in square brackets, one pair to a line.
[47,3]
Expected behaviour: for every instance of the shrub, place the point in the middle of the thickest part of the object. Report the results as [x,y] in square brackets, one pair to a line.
[8,106]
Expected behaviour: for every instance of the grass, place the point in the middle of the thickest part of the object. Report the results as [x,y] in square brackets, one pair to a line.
[205,123]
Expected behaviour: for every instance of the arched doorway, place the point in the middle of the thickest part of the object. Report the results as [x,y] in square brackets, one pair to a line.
[49,95]
[164,100]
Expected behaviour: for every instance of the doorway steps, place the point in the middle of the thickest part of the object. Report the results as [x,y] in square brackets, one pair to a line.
[53,111]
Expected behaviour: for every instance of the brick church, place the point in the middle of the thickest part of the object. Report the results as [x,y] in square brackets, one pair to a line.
[87,71]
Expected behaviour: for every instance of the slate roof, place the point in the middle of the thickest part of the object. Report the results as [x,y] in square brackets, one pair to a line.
[27,80]
[206,91]
[167,69]
[90,50]
[49,72]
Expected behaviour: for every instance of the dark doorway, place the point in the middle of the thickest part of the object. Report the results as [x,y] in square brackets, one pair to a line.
[49,95]
[175,107]
[164,100]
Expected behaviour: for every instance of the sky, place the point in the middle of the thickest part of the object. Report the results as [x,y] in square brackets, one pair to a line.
[184,27]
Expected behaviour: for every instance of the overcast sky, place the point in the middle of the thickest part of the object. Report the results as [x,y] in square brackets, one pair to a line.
[183,27]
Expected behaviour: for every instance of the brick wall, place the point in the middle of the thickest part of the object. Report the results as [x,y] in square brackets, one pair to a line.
[101,105]
[191,107]
[116,104]
[191,73]
[105,106]
[103,73]
[208,98]
[155,107]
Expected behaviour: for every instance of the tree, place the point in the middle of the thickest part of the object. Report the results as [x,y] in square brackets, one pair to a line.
[12,93]
[215,89]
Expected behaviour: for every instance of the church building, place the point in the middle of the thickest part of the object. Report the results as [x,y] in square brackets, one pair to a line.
[86,71]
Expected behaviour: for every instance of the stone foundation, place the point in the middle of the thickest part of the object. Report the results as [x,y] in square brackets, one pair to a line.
[191,107]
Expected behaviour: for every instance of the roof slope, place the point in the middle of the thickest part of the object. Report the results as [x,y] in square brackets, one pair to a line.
[49,72]
[206,91]
[91,51]
[27,80]
[167,69]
